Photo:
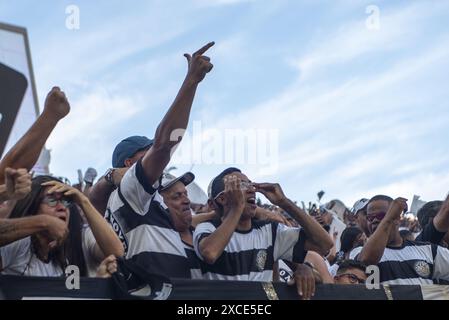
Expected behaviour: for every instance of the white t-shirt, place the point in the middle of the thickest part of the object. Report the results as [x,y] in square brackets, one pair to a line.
[18,259]
[88,246]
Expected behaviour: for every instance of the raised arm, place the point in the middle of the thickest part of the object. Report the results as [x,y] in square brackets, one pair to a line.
[26,151]
[212,246]
[100,192]
[107,241]
[172,127]
[317,238]
[374,248]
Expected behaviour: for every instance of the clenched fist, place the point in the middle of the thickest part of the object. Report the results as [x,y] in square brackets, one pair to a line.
[17,183]
[56,104]
[199,65]
[397,207]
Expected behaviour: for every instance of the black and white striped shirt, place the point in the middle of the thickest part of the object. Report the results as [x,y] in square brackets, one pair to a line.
[413,263]
[250,255]
[139,216]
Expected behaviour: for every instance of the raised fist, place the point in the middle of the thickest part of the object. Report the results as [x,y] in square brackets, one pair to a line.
[18,183]
[397,207]
[56,104]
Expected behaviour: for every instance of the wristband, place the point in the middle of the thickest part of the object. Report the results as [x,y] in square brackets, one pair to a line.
[109,177]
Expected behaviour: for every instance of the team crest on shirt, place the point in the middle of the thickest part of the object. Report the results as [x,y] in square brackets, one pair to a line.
[422,268]
[261,259]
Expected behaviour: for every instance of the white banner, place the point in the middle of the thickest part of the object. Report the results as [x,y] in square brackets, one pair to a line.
[14,53]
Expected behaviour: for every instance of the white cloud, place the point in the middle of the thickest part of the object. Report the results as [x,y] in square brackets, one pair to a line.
[330,124]
[322,123]
[84,137]
[353,39]
[215,3]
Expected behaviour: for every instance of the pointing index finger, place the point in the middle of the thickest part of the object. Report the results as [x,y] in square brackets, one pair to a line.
[204,49]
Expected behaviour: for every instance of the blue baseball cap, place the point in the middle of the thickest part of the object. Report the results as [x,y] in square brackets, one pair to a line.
[128,148]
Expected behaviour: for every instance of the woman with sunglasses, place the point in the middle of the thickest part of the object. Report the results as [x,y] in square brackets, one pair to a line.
[47,234]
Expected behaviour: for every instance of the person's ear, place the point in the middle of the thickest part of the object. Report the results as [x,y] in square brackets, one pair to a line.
[211,205]
[220,200]
[128,162]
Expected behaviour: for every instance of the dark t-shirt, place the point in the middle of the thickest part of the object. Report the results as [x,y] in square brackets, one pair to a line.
[430,234]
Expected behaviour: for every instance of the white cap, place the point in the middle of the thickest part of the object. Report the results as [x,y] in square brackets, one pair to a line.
[169,180]
[359,205]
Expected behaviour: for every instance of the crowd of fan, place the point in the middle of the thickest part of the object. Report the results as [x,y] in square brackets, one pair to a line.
[137,213]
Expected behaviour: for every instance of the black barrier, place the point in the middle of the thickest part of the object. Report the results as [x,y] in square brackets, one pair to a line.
[17,288]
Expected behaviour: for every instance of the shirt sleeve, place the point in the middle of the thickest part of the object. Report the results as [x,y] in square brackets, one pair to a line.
[430,234]
[15,253]
[354,254]
[201,231]
[136,190]
[289,243]
[441,264]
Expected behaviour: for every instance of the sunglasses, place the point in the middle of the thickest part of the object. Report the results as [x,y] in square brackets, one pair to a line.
[379,216]
[53,202]
[352,278]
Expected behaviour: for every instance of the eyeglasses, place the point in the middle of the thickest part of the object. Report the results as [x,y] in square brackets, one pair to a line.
[379,216]
[244,185]
[53,202]
[352,278]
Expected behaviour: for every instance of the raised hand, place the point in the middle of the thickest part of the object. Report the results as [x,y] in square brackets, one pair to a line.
[17,183]
[68,191]
[233,194]
[272,191]
[56,104]
[397,207]
[199,65]
[90,175]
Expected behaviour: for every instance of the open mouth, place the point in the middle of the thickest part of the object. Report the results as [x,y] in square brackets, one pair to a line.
[62,215]
[252,202]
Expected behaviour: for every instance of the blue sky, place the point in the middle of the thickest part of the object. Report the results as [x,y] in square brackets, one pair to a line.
[357,111]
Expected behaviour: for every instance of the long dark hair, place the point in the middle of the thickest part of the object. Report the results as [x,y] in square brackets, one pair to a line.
[71,252]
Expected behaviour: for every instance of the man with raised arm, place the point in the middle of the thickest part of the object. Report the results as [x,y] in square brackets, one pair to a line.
[400,261]
[135,209]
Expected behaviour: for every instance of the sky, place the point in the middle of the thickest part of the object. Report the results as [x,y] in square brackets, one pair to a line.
[349,97]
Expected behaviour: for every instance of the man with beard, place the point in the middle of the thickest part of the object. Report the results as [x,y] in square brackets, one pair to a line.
[400,261]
